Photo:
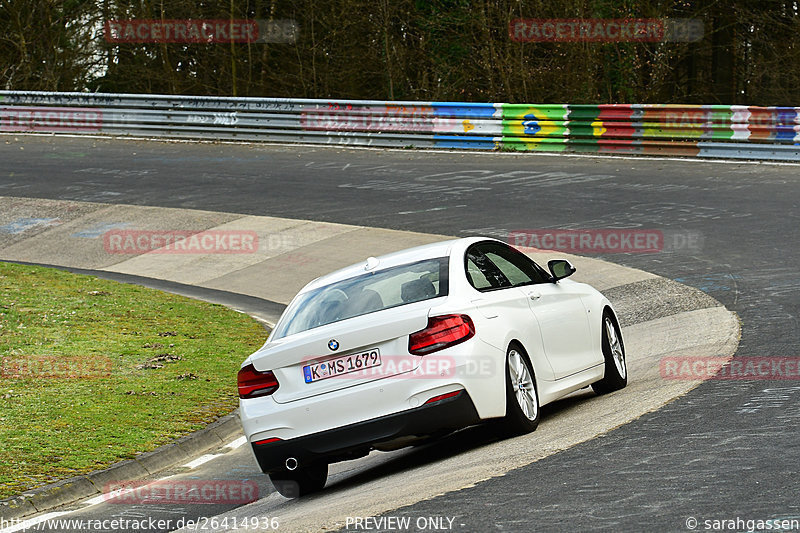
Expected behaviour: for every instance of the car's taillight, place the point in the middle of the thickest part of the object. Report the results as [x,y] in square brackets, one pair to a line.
[442,332]
[267,441]
[444,396]
[253,383]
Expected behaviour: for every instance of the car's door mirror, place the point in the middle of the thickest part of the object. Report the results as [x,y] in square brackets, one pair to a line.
[560,269]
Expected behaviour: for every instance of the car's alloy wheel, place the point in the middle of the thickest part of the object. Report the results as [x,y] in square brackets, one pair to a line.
[522,398]
[301,481]
[616,368]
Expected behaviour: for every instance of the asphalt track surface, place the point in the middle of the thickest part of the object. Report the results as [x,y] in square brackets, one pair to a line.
[726,450]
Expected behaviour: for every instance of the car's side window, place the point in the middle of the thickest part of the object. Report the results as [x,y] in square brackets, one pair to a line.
[514,264]
[476,277]
[514,267]
[515,275]
[482,273]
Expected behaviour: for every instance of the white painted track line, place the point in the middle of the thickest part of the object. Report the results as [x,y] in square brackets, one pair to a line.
[203,459]
[241,441]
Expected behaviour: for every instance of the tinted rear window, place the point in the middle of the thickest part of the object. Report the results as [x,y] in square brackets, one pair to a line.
[364,294]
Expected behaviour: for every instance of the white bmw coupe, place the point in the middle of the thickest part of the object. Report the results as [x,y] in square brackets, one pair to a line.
[416,344]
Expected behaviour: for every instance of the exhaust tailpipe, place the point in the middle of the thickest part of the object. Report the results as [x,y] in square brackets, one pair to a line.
[291,464]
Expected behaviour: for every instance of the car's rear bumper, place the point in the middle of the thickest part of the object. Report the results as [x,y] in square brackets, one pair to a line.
[355,440]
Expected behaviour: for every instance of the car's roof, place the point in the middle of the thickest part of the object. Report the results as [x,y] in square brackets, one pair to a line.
[401,257]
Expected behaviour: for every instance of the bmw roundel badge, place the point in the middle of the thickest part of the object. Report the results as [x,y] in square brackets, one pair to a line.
[333,344]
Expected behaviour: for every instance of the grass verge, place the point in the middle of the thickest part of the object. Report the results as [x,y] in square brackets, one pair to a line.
[93,372]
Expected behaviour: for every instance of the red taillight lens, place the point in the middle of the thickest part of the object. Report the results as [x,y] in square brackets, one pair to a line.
[253,383]
[267,441]
[442,332]
[444,396]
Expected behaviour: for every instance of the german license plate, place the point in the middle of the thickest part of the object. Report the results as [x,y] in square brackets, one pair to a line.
[342,365]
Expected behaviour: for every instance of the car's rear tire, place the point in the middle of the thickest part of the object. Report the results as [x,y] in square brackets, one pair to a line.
[616,371]
[301,481]
[522,397]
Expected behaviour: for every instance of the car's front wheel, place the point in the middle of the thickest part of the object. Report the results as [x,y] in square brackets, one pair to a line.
[522,398]
[616,367]
[300,481]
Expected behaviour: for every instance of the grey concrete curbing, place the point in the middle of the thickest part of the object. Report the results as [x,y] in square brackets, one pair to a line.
[61,492]
[16,507]
[77,488]
[117,473]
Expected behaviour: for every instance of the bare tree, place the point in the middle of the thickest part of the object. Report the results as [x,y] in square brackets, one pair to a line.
[411,50]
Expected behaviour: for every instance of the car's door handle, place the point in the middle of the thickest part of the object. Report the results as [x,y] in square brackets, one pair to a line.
[533,295]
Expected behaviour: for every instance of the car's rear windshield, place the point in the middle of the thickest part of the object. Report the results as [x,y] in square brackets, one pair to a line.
[364,294]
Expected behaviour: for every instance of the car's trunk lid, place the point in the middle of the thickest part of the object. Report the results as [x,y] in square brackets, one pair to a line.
[383,334]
